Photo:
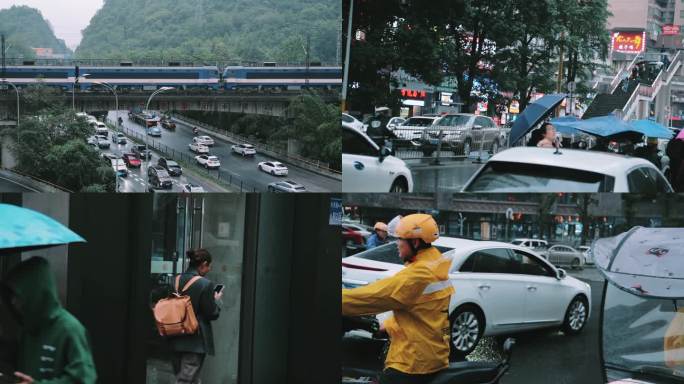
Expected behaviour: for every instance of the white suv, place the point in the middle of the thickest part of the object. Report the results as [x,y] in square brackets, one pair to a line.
[244,149]
[367,168]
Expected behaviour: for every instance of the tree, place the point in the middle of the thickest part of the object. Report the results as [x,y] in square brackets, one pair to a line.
[316,125]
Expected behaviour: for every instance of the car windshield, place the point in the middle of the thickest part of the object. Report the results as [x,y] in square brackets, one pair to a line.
[454,120]
[388,253]
[516,242]
[418,122]
[212,158]
[523,177]
[643,335]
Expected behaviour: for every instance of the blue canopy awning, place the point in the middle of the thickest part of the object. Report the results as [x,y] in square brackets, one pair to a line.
[651,129]
[562,124]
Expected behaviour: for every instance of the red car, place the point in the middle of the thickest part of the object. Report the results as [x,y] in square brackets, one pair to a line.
[131,160]
[352,241]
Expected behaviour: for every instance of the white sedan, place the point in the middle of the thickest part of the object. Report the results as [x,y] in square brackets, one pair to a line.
[367,168]
[541,170]
[500,288]
[192,188]
[208,161]
[198,148]
[204,140]
[273,167]
[244,149]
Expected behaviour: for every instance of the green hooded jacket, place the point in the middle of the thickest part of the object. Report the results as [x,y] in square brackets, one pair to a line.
[53,345]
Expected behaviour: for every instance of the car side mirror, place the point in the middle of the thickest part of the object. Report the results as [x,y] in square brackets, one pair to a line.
[561,274]
[384,152]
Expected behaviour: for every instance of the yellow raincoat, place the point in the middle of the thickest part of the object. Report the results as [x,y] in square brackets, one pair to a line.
[419,297]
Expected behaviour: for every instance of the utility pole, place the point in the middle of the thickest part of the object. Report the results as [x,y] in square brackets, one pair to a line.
[345,79]
[308,59]
[3,57]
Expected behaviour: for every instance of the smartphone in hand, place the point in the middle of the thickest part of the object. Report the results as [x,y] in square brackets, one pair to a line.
[219,288]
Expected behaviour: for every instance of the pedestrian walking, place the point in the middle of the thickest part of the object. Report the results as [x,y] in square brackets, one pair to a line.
[53,346]
[191,350]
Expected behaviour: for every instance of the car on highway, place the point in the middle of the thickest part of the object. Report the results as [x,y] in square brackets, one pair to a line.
[167,123]
[565,255]
[209,162]
[205,140]
[286,186]
[101,129]
[501,288]
[119,167]
[119,138]
[108,157]
[353,122]
[198,148]
[154,131]
[173,168]
[141,151]
[273,167]
[92,140]
[463,133]
[159,178]
[369,168]
[413,127]
[539,170]
[192,188]
[102,142]
[244,149]
[131,160]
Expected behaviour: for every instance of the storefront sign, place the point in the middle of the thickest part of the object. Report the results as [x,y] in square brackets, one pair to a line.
[670,29]
[412,93]
[515,107]
[335,212]
[628,42]
[445,98]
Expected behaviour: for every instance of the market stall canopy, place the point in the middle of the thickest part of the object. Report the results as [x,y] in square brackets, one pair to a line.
[23,229]
[533,115]
[563,124]
[647,262]
[651,129]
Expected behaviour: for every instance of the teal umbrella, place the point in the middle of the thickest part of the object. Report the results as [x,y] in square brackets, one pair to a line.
[23,229]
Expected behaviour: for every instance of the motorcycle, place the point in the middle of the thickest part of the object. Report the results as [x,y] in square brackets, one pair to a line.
[462,372]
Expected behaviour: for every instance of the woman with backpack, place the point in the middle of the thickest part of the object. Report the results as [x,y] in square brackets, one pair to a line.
[191,349]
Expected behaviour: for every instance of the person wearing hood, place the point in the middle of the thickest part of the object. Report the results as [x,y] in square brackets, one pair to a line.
[191,350]
[53,345]
[418,296]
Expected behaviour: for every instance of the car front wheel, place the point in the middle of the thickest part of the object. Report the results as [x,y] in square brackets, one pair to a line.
[575,316]
[399,186]
[467,327]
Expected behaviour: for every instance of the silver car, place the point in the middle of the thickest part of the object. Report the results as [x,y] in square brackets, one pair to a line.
[565,255]
[464,132]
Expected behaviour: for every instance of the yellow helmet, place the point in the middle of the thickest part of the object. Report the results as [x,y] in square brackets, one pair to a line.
[418,226]
[380,226]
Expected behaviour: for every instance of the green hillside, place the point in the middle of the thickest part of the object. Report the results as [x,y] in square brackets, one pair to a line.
[25,28]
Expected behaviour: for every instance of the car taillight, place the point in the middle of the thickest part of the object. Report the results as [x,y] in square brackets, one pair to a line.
[354,266]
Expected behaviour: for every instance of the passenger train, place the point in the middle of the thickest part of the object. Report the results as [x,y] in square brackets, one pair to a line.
[233,78]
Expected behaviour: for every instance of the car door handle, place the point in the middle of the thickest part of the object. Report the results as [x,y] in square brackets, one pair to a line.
[484,287]
[531,288]
[359,165]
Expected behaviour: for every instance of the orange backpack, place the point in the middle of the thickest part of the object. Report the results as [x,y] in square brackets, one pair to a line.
[174,315]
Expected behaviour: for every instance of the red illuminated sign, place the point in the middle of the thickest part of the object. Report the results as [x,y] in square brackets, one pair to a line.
[670,29]
[628,42]
[412,93]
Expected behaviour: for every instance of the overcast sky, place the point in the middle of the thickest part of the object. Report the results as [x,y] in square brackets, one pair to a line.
[67,17]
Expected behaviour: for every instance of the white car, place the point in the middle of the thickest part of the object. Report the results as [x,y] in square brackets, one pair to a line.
[204,140]
[586,252]
[119,167]
[273,167]
[198,148]
[208,161]
[500,288]
[192,188]
[538,245]
[354,122]
[413,127]
[540,170]
[367,168]
[244,149]
[102,142]
[288,186]
[395,122]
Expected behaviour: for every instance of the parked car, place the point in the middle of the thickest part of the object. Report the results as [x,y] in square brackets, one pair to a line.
[413,127]
[565,255]
[192,188]
[244,149]
[119,138]
[198,148]
[167,123]
[159,178]
[286,186]
[368,168]
[208,161]
[538,245]
[173,168]
[364,230]
[141,151]
[463,133]
[353,122]
[102,142]
[540,170]
[395,122]
[205,140]
[273,167]
[501,289]
[131,160]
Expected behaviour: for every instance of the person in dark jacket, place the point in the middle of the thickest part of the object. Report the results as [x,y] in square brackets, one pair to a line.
[190,350]
[675,151]
[53,345]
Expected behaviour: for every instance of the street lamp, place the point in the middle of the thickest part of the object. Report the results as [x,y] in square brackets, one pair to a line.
[17,91]
[116,97]
[73,90]
[147,108]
